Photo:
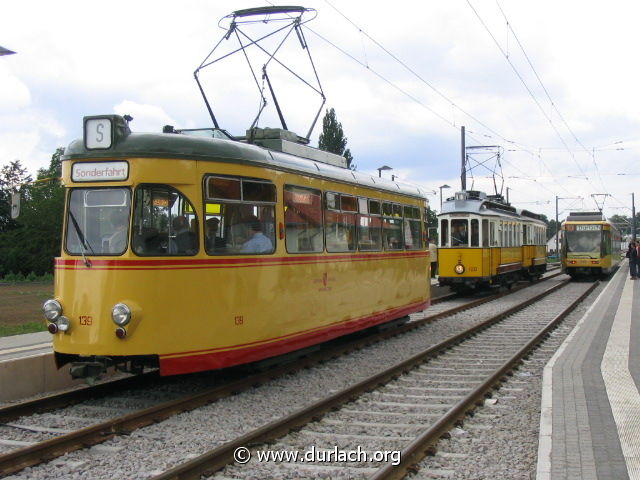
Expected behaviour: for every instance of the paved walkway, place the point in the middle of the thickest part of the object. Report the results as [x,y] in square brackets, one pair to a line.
[590,422]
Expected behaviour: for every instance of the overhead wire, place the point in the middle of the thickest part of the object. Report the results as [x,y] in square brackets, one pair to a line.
[432,87]
[544,88]
[412,97]
[529,91]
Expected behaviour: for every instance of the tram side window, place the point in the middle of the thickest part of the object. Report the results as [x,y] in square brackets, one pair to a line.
[240,216]
[392,238]
[369,225]
[98,221]
[412,231]
[444,232]
[493,241]
[485,232]
[459,233]
[164,222]
[475,232]
[340,226]
[303,219]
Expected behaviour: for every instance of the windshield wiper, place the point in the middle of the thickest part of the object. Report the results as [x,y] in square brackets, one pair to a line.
[85,244]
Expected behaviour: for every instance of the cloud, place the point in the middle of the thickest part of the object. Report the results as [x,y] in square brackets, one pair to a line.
[146,118]
[78,59]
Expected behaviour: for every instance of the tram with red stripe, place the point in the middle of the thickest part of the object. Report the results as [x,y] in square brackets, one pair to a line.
[192,250]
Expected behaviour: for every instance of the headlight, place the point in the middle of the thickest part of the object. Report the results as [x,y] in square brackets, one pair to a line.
[459,269]
[63,324]
[121,314]
[52,310]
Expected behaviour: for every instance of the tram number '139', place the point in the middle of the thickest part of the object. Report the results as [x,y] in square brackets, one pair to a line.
[239,320]
[86,320]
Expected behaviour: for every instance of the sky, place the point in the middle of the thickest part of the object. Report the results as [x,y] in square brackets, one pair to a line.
[552,86]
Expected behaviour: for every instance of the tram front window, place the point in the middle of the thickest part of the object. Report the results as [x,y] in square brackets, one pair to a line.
[164,222]
[459,235]
[583,242]
[98,221]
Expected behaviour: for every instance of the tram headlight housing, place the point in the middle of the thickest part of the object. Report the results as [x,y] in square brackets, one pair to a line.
[121,314]
[63,324]
[51,309]
[459,269]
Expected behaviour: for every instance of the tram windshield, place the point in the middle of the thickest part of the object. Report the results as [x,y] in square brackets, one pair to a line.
[98,221]
[583,241]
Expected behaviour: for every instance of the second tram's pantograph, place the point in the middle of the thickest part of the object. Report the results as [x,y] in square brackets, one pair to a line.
[590,244]
[484,241]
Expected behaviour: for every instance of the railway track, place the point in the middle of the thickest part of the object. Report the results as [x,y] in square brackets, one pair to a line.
[51,441]
[400,412]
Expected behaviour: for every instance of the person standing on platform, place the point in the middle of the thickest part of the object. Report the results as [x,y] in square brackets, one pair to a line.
[433,254]
[632,255]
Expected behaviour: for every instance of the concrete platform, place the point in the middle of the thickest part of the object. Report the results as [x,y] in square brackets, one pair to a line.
[27,367]
[590,420]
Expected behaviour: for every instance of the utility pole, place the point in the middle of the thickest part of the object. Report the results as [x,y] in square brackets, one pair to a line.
[463,155]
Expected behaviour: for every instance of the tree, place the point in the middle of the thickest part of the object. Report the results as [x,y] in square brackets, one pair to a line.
[432,225]
[332,138]
[11,177]
[35,237]
[624,223]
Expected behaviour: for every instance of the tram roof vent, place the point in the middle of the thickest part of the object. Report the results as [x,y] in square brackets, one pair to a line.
[585,216]
[497,198]
[288,142]
[476,195]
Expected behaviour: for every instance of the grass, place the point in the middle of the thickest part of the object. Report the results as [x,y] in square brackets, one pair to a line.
[21,307]
[27,327]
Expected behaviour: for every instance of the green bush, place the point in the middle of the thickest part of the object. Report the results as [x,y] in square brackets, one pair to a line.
[31,277]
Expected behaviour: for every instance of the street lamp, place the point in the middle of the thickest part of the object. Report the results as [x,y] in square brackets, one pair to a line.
[557,225]
[384,167]
[441,187]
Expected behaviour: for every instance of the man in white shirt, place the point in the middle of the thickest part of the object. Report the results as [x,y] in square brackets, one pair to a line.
[258,242]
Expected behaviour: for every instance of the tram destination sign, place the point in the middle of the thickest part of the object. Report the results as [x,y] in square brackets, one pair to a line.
[100,171]
[587,228]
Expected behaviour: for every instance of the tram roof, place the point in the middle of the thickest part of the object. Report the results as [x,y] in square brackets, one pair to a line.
[479,203]
[189,147]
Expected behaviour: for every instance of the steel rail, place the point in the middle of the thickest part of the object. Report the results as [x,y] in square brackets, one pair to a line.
[19,459]
[216,459]
[421,446]
[72,397]
[50,402]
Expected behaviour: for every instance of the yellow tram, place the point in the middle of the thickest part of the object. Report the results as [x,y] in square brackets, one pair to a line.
[191,250]
[484,241]
[590,244]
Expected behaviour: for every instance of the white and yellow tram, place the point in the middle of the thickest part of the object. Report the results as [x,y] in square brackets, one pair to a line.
[484,241]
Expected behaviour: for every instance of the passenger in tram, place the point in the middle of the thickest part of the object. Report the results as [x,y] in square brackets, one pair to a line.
[184,242]
[459,235]
[117,241]
[214,243]
[258,242]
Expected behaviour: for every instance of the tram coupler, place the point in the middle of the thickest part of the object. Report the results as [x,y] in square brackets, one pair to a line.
[90,370]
